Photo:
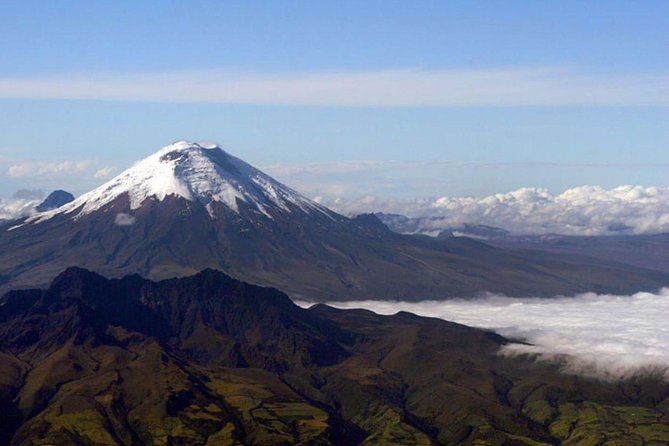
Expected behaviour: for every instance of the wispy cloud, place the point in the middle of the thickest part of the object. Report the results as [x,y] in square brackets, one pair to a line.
[73,175]
[28,194]
[124,220]
[603,335]
[42,168]
[355,166]
[334,167]
[393,87]
[104,172]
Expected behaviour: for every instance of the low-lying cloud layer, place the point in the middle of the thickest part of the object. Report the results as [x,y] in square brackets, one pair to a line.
[16,207]
[602,335]
[585,210]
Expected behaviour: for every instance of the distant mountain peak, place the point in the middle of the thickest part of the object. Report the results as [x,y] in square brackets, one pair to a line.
[55,200]
[198,172]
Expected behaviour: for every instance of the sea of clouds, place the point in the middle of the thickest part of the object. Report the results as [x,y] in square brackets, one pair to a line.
[584,210]
[598,335]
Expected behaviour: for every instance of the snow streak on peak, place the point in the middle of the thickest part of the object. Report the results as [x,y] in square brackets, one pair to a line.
[201,173]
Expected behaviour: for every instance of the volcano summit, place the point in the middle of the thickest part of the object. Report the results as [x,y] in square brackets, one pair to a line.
[197,173]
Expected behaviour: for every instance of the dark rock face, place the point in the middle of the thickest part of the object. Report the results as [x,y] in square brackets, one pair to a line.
[210,311]
[55,200]
[207,359]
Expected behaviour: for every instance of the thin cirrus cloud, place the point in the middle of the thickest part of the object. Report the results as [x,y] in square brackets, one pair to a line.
[104,172]
[393,87]
[336,167]
[601,335]
[64,174]
[355,166]
[47,168]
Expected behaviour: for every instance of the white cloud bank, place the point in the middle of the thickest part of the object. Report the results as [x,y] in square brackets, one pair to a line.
[393,87]
[12,208]
[601,335]
[584,210]
[21,204]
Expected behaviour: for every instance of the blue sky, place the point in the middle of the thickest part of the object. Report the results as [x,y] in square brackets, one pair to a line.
[490,96]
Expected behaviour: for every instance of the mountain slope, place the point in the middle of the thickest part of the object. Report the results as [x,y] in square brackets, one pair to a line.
[648,251]
[208,360]
[644,250]
[197,173]
[190,207]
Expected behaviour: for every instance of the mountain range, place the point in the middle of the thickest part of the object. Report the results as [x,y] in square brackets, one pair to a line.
[210,360]
[190,206]
[649,251]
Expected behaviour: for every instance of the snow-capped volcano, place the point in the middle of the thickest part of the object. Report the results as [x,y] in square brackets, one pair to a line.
[196,172]
[190,207]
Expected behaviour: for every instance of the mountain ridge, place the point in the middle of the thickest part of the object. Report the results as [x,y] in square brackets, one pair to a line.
[207,359]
